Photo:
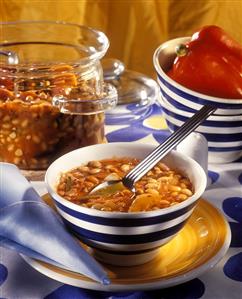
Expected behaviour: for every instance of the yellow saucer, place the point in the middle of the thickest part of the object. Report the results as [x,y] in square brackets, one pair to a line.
[199,246]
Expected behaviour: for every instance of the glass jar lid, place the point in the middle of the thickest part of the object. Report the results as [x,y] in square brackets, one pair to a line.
[136,92]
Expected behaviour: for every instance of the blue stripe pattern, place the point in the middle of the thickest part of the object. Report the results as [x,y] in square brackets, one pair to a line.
[114,251]
[125,222]
[225,149]
[125,239]
[216,137]
[176,104]
[194,99]
[207,123]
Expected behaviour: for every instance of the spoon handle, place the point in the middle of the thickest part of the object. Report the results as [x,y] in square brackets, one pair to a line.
[172,141]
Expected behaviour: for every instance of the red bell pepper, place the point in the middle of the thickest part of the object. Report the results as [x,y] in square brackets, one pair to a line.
[211,63]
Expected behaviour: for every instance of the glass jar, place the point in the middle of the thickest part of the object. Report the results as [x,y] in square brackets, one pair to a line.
[52,93]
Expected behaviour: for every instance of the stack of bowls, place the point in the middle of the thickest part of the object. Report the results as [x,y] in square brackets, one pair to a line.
[223,130]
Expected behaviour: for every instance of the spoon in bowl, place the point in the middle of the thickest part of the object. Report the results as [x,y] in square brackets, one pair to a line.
[129,180]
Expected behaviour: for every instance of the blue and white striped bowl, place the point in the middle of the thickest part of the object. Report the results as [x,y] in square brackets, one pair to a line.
[181,97]
[223,133]
[124,238]
[223,130]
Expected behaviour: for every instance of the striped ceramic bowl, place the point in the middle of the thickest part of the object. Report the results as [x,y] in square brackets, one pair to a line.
[124,238]
[223,133]
[181,97]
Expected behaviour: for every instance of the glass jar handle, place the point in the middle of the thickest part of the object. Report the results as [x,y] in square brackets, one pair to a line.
[12,57]
[87,106]
[112,68]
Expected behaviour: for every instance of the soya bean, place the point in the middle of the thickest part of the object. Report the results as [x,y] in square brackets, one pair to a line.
[182,196]
[16,160]
[10,147]
[174,203]
[163,166]
[174,193]
[6,118]
[164,179]
[158,171]
[43,96]
[111,205]
[88,184]
[84,169]
[61,192]
[94,164]
[6,126]
[106,209]
[151,186]
[93,179]
[186,191]
[13,135]
[150,180]
[97,206]
[125,167]
[18,152]
[15,121]
[113,169]
[94,170]
[24,123]
[108,166]
[139,191]
[175,188]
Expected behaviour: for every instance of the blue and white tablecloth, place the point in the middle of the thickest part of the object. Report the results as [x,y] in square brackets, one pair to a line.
[19,281]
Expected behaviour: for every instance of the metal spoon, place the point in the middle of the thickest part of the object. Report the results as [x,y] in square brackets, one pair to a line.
[128,181]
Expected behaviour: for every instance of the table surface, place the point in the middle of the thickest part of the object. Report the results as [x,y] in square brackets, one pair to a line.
[19,281]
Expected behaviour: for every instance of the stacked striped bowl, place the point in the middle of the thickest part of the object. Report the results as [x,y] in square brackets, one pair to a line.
[124,238]
[223,130]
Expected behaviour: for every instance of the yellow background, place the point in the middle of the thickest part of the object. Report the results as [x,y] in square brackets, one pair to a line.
[135,28]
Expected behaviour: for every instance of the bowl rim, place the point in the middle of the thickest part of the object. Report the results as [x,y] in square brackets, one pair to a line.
[148,214]
[160,72]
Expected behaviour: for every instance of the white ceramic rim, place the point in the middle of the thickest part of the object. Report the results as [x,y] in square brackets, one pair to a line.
[160,284]
[181,87]
[94,212]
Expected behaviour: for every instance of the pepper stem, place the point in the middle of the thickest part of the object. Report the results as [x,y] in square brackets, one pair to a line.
[181,50]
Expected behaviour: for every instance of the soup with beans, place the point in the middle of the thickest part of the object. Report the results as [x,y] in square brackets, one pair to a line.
[160,188]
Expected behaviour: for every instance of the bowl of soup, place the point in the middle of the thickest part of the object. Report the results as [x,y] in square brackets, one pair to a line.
[119,228]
